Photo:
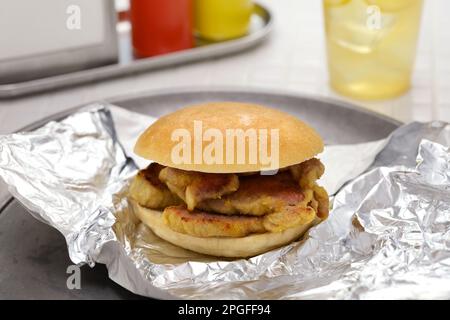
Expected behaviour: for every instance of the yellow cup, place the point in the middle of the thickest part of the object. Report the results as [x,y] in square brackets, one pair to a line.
[371,46]
[218,20]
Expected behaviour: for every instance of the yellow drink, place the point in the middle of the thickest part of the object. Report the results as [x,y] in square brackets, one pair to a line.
[371,46]
[222,19]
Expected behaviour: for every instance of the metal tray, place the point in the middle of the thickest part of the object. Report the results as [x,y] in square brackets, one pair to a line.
[33,256]
[261,26]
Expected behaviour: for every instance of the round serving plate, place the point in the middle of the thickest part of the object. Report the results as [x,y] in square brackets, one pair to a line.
[33,256]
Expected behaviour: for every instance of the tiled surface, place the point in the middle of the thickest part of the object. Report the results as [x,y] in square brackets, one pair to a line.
[292,60]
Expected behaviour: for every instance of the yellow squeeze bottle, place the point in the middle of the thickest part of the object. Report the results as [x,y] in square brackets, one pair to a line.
[218,20]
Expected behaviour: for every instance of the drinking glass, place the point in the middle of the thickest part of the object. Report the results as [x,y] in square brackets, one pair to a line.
[371,46]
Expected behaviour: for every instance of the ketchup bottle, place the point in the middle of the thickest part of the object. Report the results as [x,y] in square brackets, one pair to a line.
[161,26]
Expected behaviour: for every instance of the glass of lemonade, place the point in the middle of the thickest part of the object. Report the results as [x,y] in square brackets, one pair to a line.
[371,46]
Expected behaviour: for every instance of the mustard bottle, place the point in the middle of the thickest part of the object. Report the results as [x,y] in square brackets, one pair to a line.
[218,20]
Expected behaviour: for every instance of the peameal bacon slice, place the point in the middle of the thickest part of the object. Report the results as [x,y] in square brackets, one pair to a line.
[258,195]
[194,187]
[291,215]
[147,190]
[203,224]
[307,173]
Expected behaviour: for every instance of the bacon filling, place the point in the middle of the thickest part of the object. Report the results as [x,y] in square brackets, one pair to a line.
[233,205]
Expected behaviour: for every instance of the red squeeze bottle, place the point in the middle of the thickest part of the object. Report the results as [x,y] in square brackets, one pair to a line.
[161,26]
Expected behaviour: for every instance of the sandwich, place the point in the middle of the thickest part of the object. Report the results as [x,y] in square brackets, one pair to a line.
[229,179]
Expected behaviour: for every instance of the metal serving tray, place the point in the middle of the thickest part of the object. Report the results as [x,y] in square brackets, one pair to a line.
[33,256]
[261,26]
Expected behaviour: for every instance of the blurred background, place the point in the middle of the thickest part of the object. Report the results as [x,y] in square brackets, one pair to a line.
[343,49]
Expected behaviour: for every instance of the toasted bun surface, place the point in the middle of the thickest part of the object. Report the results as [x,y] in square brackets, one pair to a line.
[221,247]
[298,142]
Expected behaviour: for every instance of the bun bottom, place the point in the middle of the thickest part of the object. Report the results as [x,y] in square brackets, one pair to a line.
[244,247]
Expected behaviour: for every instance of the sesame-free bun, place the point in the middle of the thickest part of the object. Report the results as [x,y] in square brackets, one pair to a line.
[298,142]
[244,247]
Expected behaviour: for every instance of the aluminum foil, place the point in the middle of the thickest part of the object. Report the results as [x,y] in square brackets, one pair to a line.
[388,235]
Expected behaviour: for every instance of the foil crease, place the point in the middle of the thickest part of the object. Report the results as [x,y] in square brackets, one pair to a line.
[387,237]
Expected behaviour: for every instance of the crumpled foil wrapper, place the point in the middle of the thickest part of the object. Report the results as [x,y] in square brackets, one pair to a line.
[387,237]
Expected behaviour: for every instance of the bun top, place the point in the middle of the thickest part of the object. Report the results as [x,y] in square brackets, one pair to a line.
[228,137]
